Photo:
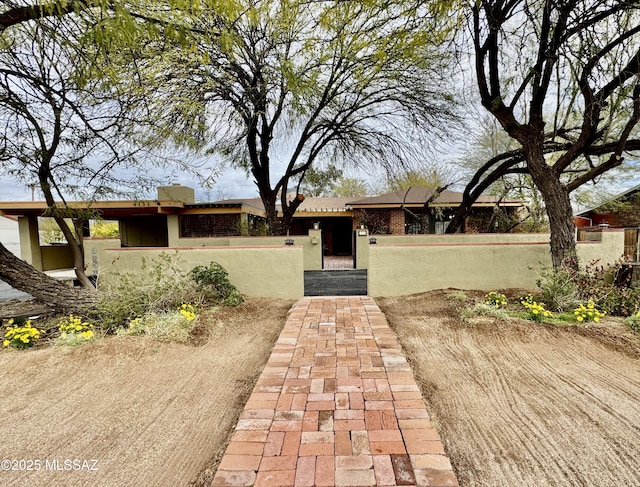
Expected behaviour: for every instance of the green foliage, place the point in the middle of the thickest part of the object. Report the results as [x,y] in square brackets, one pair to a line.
[213,283]
[564,289]
[558,288]
[496,299]
[320,182]
[101,228]
[350,187]
[171,326]
[49,231]
[161,284]
[21,336]
[633,321]
[457,296]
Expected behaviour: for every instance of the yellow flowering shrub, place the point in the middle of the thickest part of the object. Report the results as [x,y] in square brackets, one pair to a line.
[535,310]
[21,336]
[188,311]
[496,299]
[73,330]
[588,313]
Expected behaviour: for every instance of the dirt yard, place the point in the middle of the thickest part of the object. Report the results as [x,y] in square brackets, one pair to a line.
[524,404]
[132,411]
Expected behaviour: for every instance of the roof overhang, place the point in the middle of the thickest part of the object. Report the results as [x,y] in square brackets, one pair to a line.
[104,209]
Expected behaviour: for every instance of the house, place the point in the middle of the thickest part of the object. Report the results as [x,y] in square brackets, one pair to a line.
[621,211]
[404,212]
[175,219]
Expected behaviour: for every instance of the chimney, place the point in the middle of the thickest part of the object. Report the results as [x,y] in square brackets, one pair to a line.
[176,192]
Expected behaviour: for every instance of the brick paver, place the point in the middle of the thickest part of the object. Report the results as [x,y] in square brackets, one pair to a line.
[336,405]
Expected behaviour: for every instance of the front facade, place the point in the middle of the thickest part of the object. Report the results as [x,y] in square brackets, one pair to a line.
[175,220]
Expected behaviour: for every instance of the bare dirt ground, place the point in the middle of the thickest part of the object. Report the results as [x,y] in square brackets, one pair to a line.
[148,413]
[524,404]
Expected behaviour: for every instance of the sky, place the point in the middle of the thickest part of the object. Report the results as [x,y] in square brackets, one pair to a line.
[232,183]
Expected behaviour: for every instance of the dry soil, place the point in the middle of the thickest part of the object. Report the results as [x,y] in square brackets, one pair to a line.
[524,404]
[139,412]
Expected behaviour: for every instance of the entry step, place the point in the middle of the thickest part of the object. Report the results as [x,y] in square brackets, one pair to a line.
[335,283]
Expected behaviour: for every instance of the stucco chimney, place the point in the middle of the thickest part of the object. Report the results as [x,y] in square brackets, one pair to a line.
[177,192]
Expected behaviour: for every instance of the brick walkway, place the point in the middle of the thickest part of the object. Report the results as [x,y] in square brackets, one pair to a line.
[336,405]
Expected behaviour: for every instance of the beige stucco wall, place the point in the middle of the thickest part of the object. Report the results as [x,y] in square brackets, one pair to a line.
[95,254]
[56,257]
[311,244]
[402,269]
[268,271]
[30,241]
[463,238]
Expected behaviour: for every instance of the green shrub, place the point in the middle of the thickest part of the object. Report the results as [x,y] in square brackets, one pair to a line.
[213,283]
[160,285]
[558,288]
[457,296]
[633,321]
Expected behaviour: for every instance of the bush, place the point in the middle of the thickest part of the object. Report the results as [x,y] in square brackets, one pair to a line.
[588,313]
[74,331]
[174,326]
[213,283]
[633,321]
[161,284]
[495,299]
[558,288]
[457,296]
[536,310]
[565,289]
[21,335]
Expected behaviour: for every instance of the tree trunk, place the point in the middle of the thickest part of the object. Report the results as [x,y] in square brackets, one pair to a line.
[558,207]
[53,293]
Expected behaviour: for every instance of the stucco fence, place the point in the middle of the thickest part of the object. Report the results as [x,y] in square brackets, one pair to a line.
[396,265]
[399,266]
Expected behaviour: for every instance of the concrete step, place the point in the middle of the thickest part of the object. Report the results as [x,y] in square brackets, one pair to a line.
[335,283]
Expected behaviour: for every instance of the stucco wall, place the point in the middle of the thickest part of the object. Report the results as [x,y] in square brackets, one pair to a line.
[312,244]
[267,271]
[400,269]
[56,257]
[95,253]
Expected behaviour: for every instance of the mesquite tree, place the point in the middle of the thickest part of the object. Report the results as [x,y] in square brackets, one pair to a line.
[276,87]
[562,79]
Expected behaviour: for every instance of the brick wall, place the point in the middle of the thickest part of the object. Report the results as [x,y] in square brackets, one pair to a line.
[396,222]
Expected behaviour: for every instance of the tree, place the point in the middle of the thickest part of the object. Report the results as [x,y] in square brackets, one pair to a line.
[489,141]
[320,182]
[561,78]
[51,123]
[14,13]
[424,178]
[278,87]
[349,187]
